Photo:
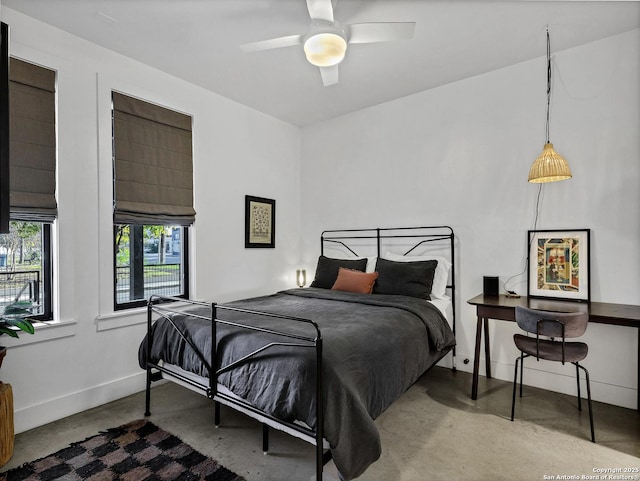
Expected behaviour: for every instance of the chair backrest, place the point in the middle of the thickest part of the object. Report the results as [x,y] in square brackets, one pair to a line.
[575,323]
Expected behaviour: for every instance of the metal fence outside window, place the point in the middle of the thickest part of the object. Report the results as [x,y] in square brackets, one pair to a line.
[20,286]
[163,279]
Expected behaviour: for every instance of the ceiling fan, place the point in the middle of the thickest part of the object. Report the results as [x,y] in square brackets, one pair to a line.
[325,43]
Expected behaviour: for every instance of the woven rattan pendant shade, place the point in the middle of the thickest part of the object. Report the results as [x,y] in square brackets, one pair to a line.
[550,166]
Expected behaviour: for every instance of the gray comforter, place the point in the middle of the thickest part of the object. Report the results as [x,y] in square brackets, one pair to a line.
[374,348]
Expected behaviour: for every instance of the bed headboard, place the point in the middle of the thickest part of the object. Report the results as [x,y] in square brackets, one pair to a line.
[402,240]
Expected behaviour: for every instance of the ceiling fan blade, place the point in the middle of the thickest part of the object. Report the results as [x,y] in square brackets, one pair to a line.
[279,42]
[381,32]
[329,75]
[320,9]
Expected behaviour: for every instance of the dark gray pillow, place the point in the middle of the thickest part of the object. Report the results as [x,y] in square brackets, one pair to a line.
[327,270]
[413,279]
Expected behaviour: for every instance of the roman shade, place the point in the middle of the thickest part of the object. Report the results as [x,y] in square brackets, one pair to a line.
[153,164]
[32,142]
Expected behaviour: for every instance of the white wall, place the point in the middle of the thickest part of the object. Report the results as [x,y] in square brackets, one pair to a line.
[90,356]
[460,154]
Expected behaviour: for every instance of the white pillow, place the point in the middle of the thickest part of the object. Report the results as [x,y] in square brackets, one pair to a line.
[371,261]
[441,276]
[371,264]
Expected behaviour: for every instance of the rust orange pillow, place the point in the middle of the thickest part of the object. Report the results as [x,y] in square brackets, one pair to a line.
[355,281]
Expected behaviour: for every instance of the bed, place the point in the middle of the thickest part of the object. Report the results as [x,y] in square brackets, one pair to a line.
[320,363]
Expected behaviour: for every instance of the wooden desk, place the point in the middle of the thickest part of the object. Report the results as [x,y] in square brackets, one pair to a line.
[503,308]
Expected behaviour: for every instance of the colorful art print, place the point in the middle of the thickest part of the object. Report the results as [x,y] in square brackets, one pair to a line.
[260,218]
[559,264]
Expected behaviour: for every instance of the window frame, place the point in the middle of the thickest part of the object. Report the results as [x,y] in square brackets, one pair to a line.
[46,281]
[47,273]
[120,306]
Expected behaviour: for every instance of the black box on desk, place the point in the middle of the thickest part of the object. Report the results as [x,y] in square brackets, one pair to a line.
[491,286]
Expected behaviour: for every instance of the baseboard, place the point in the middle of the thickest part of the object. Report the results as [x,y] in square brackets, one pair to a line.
[73,403]
[623,396]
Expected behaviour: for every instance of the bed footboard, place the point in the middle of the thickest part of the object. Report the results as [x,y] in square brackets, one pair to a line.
[166,307]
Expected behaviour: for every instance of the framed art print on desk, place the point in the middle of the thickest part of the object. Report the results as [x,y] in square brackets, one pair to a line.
[559,265]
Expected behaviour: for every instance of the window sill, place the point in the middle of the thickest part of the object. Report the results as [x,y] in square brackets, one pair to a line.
[44,332]
[127,318]
[120,319]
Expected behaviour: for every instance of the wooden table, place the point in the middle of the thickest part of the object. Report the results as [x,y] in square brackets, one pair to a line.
[503,308]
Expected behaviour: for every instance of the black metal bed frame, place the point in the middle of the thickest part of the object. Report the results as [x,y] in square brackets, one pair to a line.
[163,307]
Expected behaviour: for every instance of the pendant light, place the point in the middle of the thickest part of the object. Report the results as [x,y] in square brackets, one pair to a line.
[550,166]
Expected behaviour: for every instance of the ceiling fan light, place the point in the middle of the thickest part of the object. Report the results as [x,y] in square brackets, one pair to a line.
[325,49]
[550,166]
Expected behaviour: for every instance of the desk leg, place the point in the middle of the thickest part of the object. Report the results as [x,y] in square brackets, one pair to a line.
[476,360]
[638,385]
[487,352]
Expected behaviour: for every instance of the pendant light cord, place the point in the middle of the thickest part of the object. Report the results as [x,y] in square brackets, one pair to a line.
[548,82]
[537,205]
[526,261]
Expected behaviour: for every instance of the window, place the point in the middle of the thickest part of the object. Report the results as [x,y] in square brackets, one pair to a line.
[150,259]
[25,251]
[152,201]
[25,267]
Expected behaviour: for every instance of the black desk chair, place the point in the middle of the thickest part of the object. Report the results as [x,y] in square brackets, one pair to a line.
[555,327]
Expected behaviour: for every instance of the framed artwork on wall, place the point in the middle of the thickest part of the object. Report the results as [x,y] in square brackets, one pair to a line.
[559,264]
[260,222]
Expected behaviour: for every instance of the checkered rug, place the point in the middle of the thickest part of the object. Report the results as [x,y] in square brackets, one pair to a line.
[138,451]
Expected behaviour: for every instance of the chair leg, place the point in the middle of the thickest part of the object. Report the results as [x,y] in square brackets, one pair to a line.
[586,374]
[521,371]
[578,381]
[515,384]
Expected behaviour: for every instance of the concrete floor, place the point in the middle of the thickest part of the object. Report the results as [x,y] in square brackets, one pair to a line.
[433,432]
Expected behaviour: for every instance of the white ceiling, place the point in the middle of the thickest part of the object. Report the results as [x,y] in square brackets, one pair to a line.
[199,41]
